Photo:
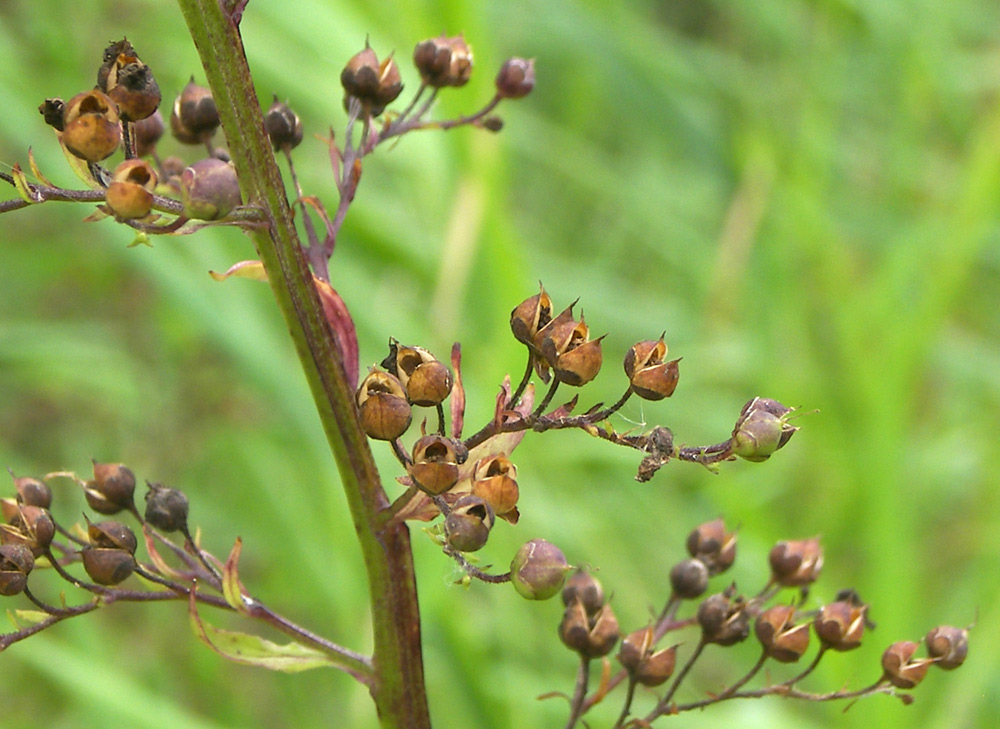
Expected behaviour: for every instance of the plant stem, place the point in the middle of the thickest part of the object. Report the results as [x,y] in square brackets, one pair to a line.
[398,689]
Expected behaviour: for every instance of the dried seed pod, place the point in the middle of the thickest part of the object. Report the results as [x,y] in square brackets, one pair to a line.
[284,127]
[443,61]
[147,133]
[426,380]
[592,635]
[111,535]
[583,587]
[374,84]
[32,491]
[840,625]
[516,78]
[468,524]
[91,128]
[689,578]
[644,664]
[16,562]
[781,638]
[435,464]
[566,345]
[796,563]
[649,375]
[948,646]
[130,194]
[713,545]
[538,570]
[382,405]
[900,668]
[128,81]
[723,618]
[761,429]
[166,508]
[107,566]
[194,117]
[111,489]
[530,316]
[495,480]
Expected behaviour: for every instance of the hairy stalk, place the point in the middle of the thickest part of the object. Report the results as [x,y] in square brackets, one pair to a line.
[398,689]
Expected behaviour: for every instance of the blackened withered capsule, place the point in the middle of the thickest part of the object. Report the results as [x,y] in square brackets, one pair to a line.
[284,127]
[166,508]
[128,81]
[194,117]
[689,578]
[713,545]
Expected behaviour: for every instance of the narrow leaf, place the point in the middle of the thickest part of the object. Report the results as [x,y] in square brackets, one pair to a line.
[22,618]
[232,588]
[22,186]
[253,270]
[34,169]
[252,650]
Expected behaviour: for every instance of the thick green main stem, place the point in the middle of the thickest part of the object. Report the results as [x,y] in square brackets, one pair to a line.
[398,688]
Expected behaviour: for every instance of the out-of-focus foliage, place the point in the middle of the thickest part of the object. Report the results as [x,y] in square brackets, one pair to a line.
[803,195]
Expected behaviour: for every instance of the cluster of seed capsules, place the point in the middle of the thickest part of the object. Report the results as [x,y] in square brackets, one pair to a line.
[106,549]
[784,631]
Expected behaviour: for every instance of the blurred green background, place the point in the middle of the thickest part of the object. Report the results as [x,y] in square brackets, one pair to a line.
[803,195]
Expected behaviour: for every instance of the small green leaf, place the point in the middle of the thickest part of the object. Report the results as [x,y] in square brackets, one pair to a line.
[232,588]
[22,618]
[252,650]
[22,186]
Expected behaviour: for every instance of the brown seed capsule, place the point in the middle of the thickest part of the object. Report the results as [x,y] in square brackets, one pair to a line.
[781,638]
[900,668]
[36,524]
[32,492]
[443,61]
[566,345]
[796,563]
[646,665]
[111,489]
[16,563]
[723,619]
[530,316]
[209,189]
[130,194]
[516,78]
[382,405]
[111,535]
[128,81]
[194,117]
[468,524]
[284,127]
[91,129]
[147,133]
[840,625]
[425,379]
[584,588]
[713,545]
[948,646]
[495,480]
[435,464]
[107,566]
[590,635]
[689,578]
[166,508]
[538,570]
[374,84]
[650,376]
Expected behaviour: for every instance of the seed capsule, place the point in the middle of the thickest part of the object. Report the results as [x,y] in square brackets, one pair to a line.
[538,570]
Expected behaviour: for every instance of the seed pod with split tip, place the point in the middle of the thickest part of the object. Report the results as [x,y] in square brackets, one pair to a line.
[435,464]
[649,375]
[111,489]
[166,508]
[948,646]
[32,491]
[781,638]
[583,587]
[713,545]
[382,405]
[128,81]
[840,625]
[130,194]
[645,664]
[468,524]
[209,189]
[426,380]
[374,84]
[592,635]
[530,316]
[689,578]
[566,345]
[723,618]
[443,61]
[91,128]
[796,563]
[16,563]
[194,117]
[495,480]
[538,570]
[109,558]
[516,78]
[900,668]
[284,127]
[36,525]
